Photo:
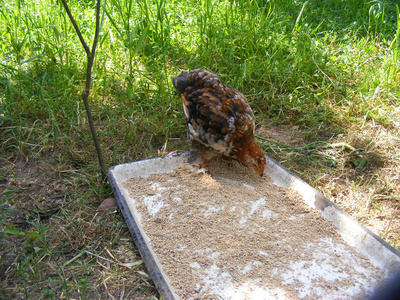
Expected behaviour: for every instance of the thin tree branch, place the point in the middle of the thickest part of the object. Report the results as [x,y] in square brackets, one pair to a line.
[78,32]
[85,94]
[96,33]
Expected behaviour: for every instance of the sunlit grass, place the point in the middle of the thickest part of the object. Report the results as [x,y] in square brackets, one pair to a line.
[308,56]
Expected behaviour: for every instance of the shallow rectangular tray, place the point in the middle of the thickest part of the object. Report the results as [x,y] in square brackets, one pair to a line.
[363,241]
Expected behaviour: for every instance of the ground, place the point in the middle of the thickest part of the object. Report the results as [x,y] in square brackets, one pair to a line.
[358,171]
[57,243]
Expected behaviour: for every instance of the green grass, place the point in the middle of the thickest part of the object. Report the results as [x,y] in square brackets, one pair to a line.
[329,68]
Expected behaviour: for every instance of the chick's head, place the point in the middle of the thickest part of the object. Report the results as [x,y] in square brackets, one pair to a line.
[252,156]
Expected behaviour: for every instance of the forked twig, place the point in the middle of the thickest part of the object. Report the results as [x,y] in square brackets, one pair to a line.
[85,94]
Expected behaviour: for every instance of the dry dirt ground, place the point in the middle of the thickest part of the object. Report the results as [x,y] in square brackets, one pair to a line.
[61,246]
[358,170]
[56,243]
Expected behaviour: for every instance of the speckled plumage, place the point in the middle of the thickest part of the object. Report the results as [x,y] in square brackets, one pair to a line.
[218,116]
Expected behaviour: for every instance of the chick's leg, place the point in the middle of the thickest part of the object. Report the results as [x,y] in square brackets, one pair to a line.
[201,155]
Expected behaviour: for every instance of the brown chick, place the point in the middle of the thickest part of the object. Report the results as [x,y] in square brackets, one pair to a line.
[219,117]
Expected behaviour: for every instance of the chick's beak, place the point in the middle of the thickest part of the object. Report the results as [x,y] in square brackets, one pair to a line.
[261,171]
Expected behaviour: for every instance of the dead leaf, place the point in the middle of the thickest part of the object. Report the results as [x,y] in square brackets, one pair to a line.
[109,205]
[142,274]
[131,264]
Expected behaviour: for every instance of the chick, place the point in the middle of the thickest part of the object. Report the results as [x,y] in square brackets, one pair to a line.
[219,117]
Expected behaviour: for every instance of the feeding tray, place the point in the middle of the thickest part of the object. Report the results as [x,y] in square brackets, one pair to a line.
[226,233]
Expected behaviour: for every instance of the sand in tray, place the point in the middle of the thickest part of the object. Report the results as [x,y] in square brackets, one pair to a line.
[229,233]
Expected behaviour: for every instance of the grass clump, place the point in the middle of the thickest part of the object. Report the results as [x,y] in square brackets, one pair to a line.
[322,79]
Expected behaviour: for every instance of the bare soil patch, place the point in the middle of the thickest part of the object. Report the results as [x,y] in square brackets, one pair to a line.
[358,170]
[57,244]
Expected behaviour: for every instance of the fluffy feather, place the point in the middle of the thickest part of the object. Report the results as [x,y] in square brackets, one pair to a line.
[219,117]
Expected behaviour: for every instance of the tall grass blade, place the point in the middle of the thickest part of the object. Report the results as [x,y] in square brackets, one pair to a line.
[296,25]
[31,59]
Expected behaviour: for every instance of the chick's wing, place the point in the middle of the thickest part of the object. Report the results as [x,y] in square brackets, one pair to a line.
[217,115]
